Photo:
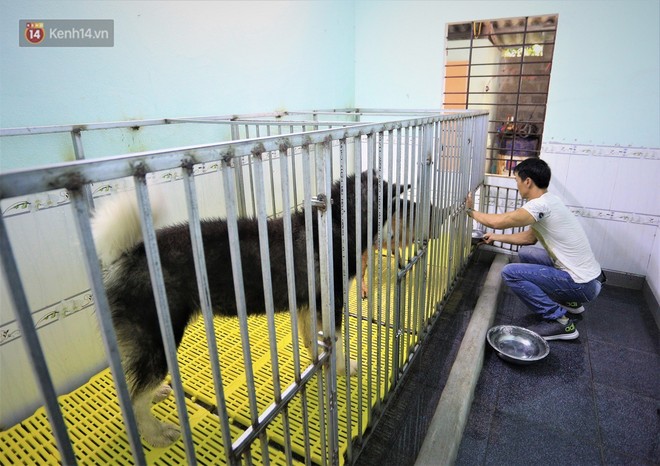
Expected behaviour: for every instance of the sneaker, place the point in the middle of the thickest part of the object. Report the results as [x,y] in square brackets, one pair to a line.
[553,330]
[573,307]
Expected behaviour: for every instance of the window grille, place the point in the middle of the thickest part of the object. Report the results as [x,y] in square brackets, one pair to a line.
[503,66]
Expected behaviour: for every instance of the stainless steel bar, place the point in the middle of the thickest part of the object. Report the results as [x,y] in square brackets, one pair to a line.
[207,308]
[448,189]
[108,336]
[162,309]
[433,224]
[345,293]
[438,220]
[311,288]
[449,144]
[309,249]
[399,296]
[264,250]
[327,296]
[370,265]
[239,291]
[446,214]
[26,131]
[357,143]
[227,119]
[34,349]
[271,173]
[379,268]
[290,273]
[313,310]
[428,218]
[420,213]
[240,183]
[430,284]
[392,233]
[294,176]
[425,156]
[250,190]
[398,246]
[410,310]
[79,152]
[464,187]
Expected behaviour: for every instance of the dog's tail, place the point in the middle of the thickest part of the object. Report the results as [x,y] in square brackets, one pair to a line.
[116,225]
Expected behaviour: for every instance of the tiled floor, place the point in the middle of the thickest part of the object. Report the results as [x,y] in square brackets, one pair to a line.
[592,401]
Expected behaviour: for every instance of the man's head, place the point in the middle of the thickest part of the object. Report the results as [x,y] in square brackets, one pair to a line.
[536,170]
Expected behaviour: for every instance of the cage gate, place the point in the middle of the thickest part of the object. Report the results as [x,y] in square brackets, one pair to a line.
[379,250]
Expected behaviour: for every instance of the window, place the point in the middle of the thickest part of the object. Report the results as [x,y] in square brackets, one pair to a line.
[503,66]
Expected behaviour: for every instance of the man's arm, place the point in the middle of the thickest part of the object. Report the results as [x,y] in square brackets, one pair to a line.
[522,238]
[516,218]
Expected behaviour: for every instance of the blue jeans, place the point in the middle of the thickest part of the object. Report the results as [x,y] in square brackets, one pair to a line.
[541,286]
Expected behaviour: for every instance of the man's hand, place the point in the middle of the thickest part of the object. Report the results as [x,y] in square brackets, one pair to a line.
[488,238]
[469,203]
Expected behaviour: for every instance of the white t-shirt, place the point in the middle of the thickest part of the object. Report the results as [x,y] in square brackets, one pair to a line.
[561,235]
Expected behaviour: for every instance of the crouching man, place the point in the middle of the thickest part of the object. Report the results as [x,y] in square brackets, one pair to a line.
[556,279]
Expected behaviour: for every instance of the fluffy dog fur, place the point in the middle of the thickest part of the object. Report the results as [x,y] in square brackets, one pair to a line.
[404,227]
[128,284]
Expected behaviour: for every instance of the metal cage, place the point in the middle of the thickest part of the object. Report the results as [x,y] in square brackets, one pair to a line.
[244,392]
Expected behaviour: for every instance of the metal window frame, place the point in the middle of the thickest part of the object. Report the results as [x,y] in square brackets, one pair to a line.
[498,143]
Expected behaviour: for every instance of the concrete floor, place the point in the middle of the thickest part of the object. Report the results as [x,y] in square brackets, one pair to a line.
[594,400]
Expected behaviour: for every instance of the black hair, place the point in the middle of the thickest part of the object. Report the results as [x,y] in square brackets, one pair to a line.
[536,169]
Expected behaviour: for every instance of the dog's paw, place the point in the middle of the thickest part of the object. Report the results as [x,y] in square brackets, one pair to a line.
[164,436]
[353,368]
[161,393]
[365,290]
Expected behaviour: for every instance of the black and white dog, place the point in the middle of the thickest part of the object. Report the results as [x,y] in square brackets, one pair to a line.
[120,247]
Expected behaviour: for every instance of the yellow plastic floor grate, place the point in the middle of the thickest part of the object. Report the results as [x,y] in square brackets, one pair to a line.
[96,427]
[97,433]
[196,375]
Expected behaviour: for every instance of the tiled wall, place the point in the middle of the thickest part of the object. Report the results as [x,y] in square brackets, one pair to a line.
[614,191]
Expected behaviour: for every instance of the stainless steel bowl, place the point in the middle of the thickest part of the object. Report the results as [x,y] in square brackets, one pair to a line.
[477,236]
[517,344]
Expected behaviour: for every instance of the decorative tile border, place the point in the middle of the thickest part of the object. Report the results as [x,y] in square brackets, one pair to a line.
[500,204]
[617,216]
[645,153]
[49,315]
[60,197]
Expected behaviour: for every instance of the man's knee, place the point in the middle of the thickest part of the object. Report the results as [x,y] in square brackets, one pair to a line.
[509,272]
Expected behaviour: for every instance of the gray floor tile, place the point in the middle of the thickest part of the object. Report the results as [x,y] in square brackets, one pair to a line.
[517,441]
[629,423]
[475,437]
[559,403]
[621,317]
[625,368]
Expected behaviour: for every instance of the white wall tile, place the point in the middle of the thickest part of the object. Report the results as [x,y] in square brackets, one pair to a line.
[559,164]
[590,180]
[636,186]
[624,246]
